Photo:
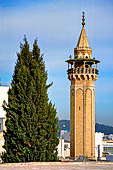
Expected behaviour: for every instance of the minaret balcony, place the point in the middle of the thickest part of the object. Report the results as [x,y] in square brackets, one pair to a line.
[82,71]
[83,74]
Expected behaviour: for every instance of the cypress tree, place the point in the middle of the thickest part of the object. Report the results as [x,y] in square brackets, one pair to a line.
[31,131]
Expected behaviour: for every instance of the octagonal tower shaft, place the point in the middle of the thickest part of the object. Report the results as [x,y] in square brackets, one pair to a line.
[82,72]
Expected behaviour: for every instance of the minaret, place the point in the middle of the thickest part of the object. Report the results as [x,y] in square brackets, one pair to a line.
[82,72]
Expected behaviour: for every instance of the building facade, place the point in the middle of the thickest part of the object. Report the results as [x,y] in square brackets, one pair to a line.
[82,72]
[98,145]
[3,96]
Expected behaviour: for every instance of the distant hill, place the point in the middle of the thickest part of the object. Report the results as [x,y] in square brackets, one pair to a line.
[103,129]
[65,125]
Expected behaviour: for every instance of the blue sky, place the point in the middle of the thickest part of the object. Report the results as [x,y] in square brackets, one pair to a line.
[57,25]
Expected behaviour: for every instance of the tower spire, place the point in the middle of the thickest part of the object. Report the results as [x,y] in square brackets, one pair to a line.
[83,41]
[83,19]
[83,49]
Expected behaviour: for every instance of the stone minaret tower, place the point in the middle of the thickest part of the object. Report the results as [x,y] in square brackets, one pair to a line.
[82,72]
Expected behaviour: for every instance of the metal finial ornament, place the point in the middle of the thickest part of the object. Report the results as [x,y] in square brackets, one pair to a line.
[70,57]
[83,19]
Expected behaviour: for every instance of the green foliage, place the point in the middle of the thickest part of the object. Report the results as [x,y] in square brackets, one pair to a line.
[31,131]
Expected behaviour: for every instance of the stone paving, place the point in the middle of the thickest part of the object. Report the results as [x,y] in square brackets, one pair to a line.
[57,166]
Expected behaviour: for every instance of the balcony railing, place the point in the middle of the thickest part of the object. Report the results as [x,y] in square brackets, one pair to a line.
[82,71]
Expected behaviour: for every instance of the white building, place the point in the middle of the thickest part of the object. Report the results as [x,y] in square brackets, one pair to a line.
[61,148]
[3,96]
[66,149]
[107,146]
[98,143]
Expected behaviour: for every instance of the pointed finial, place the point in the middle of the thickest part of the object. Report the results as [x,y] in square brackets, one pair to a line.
[70,57]
[83,19]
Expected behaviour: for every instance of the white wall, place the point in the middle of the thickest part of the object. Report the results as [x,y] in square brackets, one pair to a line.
[3,96]
[61,148]
[98,141]
[66,149]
